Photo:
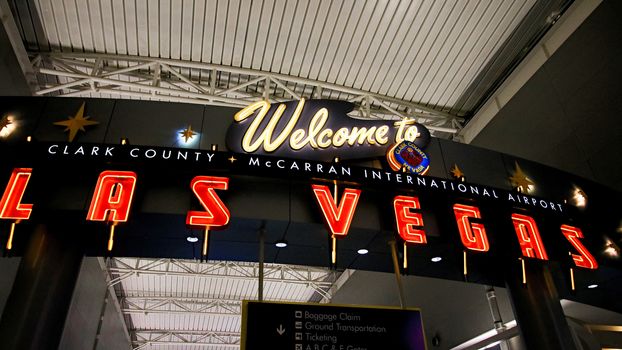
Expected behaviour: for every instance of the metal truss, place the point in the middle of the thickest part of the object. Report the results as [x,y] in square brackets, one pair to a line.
[320,280]
[149,337]
[161,304]
[181,305]
[95,75]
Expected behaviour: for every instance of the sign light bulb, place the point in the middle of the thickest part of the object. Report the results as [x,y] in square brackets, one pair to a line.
[611,249]
[579,198]
[7,126]
[187,137]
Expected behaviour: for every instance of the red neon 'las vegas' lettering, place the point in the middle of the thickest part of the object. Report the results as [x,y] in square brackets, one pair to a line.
[584,258]
[216,214]
[11,206]
[472,234]
[113,196]
[337,218]
[529,237]
[409,224]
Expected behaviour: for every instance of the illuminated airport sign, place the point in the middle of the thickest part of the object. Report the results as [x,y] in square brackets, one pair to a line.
[318,130]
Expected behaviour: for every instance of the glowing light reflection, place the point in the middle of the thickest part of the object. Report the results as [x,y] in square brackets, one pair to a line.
[7,126]
[579,198]
[611,249]
[191,142]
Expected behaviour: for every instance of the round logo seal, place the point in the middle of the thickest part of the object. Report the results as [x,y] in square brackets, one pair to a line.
[406,156]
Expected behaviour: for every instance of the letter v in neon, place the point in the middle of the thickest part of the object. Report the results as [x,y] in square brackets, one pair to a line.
[337,218]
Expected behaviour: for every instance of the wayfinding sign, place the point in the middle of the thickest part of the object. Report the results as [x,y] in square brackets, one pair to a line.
[307,326]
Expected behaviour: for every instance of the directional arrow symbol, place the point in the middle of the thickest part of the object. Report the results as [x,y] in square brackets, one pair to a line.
[280,330]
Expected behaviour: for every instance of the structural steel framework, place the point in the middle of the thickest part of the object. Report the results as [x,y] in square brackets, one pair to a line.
[93,74]
[320,280]
[323,282]
[175,304]
[147,338]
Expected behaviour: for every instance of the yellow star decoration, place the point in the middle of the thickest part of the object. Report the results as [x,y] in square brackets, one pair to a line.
[520,180]
[78,122]
[187,133]
[232,159]
[456,172]
[4,122]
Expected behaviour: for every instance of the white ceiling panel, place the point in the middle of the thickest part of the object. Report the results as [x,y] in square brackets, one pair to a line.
[440,57]
[182,303]
[424,52]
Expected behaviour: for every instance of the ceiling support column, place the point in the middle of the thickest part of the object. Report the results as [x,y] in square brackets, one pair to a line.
[35,312]
[536,305]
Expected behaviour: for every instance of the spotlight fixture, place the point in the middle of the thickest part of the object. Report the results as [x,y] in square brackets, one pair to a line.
[187,136]
[7,126]
[362,251]
[192,239]
[592,286]
[611,249]
[281,243]
[436,259]
[579,198]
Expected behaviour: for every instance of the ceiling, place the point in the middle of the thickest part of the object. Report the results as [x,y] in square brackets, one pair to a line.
[572,104]
[181,304]
[435,61]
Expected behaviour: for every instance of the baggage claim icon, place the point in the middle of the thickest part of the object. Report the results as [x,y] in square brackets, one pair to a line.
[407,157]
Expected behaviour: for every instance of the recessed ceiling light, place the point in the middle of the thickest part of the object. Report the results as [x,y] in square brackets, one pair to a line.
[362,251]
[192,239]
[592,286]
[436,259]
[281,244]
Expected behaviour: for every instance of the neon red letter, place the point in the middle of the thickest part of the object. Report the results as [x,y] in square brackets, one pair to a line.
[10,204]
[337,219]
[216,214]
[113,196]
[585,259]
[472,234]
[407,220]
[529,237]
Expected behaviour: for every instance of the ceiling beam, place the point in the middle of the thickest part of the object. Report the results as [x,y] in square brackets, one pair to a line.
[578,12]
[12,32]
[147,338]
[226,269]
[83,74]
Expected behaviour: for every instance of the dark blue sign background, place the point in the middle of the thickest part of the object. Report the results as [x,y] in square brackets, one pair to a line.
[292,326]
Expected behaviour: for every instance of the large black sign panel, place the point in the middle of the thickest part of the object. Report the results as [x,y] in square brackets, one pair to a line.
[296,326]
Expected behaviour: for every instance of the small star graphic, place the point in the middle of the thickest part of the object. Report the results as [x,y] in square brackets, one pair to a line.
[188,133]
[78,122]
[4,122]
[520,180]
[456,172]
[232,159]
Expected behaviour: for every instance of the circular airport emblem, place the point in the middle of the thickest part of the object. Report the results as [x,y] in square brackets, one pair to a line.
[406,156]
